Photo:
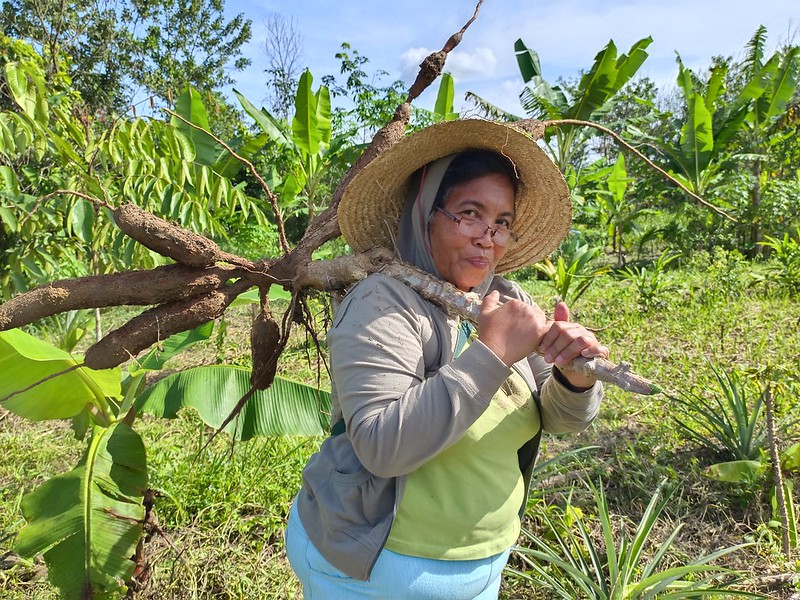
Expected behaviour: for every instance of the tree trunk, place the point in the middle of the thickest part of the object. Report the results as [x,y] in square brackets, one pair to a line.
[755,210]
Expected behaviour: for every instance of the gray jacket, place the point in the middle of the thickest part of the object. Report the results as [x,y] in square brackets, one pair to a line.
[404,399]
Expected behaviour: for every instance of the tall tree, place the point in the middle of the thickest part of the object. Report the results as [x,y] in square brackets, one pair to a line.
[86,32]
[178,44]
[118,48]
[284,49]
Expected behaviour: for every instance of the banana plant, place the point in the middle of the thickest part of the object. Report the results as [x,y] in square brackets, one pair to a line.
[707,127]
[593,98]
[88,522]
[616,214]
[780,75]
[307,143]
[710,122]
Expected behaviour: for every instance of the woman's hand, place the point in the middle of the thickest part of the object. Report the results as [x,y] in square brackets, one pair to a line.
[565,341]
[512,330]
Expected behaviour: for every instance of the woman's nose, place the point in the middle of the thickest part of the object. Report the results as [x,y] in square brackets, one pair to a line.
[487,239]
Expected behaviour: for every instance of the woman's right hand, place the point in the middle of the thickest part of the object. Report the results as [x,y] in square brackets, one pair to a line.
[512,330]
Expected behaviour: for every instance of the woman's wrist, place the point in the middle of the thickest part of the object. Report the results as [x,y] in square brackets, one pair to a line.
[574,382]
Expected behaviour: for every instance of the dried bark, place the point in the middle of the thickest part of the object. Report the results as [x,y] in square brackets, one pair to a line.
[159,323]
[136,288]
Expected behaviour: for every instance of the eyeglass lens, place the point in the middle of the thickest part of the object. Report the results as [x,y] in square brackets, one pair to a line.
[475,228]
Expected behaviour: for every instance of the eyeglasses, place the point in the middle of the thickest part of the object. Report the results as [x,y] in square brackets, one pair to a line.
[472,227]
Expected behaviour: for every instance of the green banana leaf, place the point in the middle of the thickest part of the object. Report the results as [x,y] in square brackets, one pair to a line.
[285,408]
[444,99]
[606,77]
[697,133]
[191,107]
[527,60]
[736,471]
[263,119]
[782,85]
[88,522]
[310,125]
[276,293]
[25,365]
[228,166]
[174,344]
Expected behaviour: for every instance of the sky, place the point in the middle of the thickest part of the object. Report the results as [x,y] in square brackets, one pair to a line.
[396,35]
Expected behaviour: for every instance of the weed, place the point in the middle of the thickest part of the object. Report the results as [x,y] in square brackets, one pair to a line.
[651,282]
[729,422]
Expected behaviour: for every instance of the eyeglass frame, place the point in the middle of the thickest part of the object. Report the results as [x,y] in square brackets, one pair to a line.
[513,237]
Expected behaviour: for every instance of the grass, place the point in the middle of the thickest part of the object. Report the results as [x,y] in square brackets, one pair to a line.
[223,512]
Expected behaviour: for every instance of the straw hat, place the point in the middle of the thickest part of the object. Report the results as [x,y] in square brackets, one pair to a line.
[371,205]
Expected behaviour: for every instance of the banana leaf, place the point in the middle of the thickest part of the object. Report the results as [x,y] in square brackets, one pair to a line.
[285,408]
[88,522]
[31,387]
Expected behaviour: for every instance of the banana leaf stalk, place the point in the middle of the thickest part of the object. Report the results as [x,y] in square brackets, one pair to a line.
[468,306]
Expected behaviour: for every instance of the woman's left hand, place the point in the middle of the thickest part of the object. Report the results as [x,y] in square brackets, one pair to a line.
[565,341]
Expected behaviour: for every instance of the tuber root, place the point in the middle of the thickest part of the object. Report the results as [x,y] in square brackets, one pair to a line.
[157,324]
[167,239]
[163,284]
[266,343]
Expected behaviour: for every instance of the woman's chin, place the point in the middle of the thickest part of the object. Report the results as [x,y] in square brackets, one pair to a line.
[466,282]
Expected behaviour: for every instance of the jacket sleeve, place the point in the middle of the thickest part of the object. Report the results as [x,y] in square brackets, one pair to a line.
[563,411]
[397,414]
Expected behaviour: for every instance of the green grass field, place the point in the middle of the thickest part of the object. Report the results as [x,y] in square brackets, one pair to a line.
[221,513]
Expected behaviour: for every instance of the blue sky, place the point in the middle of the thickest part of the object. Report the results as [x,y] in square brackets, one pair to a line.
[567,34]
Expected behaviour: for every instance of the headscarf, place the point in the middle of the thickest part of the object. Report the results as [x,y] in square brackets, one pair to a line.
[413,234]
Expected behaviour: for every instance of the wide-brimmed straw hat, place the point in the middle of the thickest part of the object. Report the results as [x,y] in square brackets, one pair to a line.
[371,205]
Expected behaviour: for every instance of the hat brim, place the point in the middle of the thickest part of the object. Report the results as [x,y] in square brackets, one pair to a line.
[370,208]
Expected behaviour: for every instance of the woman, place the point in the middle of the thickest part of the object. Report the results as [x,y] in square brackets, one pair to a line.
[419,491]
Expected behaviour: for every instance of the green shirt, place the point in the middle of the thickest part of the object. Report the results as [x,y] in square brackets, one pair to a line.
[464,503]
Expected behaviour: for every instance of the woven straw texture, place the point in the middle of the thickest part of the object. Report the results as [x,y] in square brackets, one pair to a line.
[371,205]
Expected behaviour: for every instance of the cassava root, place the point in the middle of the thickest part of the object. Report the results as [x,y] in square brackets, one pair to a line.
[168,283]
[467,306]
[157,324]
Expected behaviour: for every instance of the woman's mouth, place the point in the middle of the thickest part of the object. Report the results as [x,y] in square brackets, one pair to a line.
[479,262]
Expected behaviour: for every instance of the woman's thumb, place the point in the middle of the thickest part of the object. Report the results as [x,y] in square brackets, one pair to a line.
[561,312]
[490,301]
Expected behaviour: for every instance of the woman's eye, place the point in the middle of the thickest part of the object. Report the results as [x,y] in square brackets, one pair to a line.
[469,213]
[503,224]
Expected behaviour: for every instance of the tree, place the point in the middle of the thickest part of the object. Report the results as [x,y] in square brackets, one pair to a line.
[118,48]
[184,44]
[372,104]
[284,49]
[45,147]
[87,33]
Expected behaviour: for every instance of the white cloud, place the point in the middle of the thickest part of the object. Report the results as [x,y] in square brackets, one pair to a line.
[463,66]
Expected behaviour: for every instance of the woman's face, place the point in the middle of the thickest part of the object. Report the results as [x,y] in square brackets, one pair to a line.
[465,261]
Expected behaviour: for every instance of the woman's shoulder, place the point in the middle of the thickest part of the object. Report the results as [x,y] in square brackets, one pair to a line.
[378,285]
[379,294]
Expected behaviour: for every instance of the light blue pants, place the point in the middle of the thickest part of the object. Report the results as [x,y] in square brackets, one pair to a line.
[394,576]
